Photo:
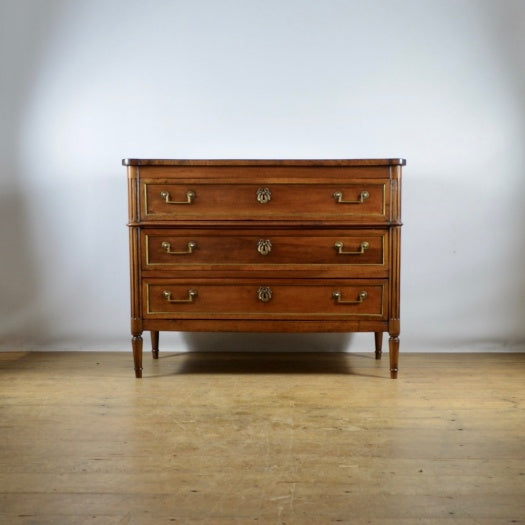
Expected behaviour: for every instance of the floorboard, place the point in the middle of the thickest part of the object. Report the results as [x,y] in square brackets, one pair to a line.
[226,438]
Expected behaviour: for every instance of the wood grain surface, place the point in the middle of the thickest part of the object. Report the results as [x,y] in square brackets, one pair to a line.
[271,438]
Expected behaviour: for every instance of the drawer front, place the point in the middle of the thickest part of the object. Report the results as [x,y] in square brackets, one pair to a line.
[200,249]
[254,299]
[363,200]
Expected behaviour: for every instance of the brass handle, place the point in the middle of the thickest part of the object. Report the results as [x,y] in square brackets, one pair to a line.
[264,246]
[264,294]
[191,295]
[339,245]
[338,196]
[337,296]
[190,195]
[263,195]
[166,246]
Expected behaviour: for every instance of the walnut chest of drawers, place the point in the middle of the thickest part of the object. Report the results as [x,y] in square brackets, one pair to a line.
[265,246]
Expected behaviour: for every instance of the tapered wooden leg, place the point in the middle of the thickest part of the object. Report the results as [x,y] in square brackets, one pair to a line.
[394,355]
[155,343]
[136,344]
[379,343]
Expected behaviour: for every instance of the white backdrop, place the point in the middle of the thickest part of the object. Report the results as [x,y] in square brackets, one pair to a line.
[84,84]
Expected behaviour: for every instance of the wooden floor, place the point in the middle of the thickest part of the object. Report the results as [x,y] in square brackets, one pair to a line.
[262,438]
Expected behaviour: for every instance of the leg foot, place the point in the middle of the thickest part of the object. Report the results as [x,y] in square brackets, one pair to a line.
[394,356]
[379,343]
[155,343]
[136,344]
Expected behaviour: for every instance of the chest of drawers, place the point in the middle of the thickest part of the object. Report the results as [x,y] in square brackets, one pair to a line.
[265,246]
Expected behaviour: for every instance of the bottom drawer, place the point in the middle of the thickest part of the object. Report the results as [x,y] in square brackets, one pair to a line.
[265,299]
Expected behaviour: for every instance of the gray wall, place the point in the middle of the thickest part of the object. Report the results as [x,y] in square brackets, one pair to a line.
[84,84]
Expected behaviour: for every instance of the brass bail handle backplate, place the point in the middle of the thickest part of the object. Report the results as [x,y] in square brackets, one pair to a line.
[339,245]
[339,199]
[191,295]
[166,246]
[190,195]
[338,298]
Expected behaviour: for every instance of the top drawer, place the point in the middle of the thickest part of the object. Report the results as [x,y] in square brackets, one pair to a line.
[359,201]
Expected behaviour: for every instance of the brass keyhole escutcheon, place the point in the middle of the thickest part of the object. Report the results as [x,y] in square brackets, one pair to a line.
[263,195]
[264,246]
[264,294]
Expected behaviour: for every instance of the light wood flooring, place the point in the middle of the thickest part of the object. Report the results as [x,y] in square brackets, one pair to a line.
[262,438]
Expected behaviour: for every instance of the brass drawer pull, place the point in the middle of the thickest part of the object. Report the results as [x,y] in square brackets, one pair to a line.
[191,295]
[264,294]
[264,246]
[338,196]
[263,195]
[337,296]
[339,245]
[166,246]
[190,195]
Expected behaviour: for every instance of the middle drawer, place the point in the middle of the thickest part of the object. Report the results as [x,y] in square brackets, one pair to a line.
[202,249]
